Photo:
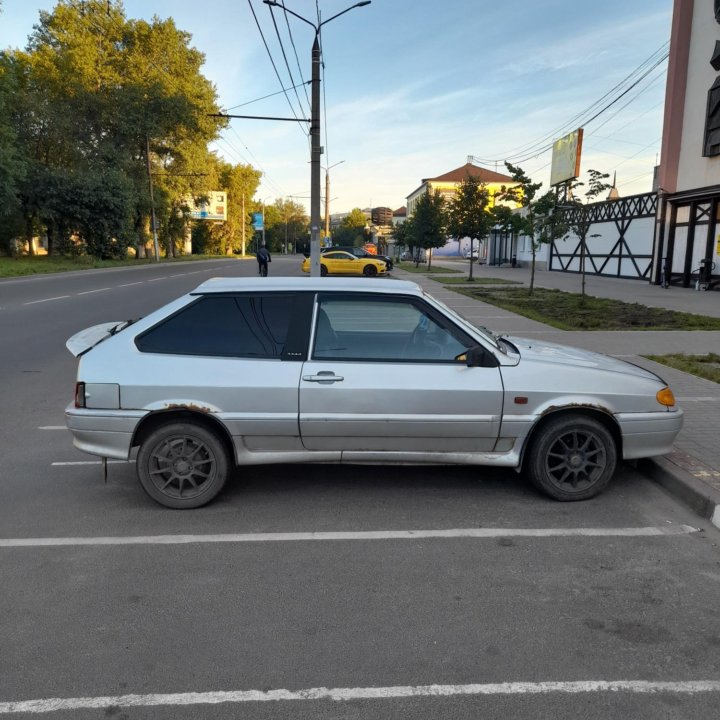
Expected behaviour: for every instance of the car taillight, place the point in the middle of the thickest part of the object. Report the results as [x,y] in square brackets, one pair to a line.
[80,395]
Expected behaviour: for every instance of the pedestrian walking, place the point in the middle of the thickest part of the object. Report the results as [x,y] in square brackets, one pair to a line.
[263,258]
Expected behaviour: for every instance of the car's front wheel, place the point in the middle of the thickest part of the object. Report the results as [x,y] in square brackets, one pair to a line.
[323,270]
[182,465]
[369,271]
[572,457]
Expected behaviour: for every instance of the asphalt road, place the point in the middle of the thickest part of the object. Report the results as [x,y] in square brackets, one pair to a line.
[408,592]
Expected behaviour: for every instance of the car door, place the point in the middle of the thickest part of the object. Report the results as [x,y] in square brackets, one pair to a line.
[382,377]
[340,262]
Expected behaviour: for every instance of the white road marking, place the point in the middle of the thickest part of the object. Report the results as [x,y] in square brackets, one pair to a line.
[88,292]
[35,302]
[92,462]
[687,687]
[480,533]
[156,279]
[139,282]
[52,427]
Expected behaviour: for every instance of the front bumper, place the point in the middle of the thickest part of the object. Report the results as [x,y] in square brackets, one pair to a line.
[649,434]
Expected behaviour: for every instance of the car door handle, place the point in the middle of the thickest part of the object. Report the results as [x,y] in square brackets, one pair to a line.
[324,376]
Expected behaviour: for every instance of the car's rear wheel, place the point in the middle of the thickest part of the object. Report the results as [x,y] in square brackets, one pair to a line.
[572,457]
[182,465]
[323,270]
[369,271]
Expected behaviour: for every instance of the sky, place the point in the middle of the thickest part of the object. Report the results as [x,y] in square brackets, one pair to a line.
[414,87]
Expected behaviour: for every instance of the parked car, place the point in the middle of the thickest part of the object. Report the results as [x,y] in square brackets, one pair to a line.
[250,371]
[363,253]
[475,253]
[339,262]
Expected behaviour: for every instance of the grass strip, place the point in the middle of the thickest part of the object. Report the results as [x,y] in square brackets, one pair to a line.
[16,267]
[571,311]
[704,366]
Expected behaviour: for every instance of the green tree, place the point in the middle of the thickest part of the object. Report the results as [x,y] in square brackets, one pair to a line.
[578,214]
[13,163]
[96,90]
[241,183]
[536,212]
[285,222]
[428,224]
[351,230]
[401,235]
[468,214]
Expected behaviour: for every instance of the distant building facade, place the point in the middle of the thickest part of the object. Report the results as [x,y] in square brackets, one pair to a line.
[687,231]
[447,183]
[381,216]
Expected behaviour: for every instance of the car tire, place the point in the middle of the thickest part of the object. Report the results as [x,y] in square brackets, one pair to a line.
[323,270]
[572,457]
[370,271]
[182,465]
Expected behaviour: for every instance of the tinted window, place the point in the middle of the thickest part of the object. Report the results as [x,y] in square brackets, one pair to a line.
[230,326]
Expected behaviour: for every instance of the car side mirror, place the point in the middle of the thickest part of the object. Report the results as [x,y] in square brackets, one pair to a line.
[477,356]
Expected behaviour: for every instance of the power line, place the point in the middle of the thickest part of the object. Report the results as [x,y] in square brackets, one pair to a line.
[265,97]
[297,59]
[595,116]
[282,85]
[543,143]
[287,64]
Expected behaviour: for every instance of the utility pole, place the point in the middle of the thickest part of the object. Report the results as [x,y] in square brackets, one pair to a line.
[243,224]
[315,148]
[315,151]
[152,199]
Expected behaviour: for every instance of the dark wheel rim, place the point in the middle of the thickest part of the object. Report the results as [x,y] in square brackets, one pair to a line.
[182,467]
[576,460]
[323,270]
[370,270]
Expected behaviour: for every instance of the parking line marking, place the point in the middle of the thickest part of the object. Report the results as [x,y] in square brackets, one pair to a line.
[478,533]
[52,427]
[687,687]
[92,462]
[35,302]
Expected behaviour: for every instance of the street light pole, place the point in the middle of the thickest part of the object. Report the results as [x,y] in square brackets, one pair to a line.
[327,196]
[315,148]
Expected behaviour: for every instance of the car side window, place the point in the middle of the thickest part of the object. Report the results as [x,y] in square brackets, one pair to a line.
[384,328]
[252,326]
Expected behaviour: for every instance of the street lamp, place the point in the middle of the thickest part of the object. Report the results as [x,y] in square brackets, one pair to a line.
[327,195]
[315,149]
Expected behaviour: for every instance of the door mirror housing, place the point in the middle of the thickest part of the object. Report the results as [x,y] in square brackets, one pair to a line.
[477,356]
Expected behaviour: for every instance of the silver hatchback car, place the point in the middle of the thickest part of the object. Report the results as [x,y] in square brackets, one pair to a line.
[246,371]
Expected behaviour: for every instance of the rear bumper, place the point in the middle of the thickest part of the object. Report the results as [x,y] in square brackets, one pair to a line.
[107,433]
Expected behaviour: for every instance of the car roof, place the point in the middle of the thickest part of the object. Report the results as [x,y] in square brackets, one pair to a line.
[333,284]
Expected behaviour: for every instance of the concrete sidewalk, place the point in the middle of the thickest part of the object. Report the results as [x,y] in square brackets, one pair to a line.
[692,471]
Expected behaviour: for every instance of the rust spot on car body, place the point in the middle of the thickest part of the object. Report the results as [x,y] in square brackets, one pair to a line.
[575,406]
[189,406]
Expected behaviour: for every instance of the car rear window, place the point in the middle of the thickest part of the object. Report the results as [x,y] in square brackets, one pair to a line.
[226,326]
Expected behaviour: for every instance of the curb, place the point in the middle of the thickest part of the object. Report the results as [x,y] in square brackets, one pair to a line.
[693,492]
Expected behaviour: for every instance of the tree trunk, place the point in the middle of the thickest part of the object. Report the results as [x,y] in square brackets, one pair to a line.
[429,263]
[532,269]
[470,276]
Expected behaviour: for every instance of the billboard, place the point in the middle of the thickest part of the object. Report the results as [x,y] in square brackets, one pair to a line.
[257,221]
[214,209]
[566,157]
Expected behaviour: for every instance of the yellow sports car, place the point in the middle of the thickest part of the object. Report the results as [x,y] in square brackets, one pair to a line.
[339,262]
